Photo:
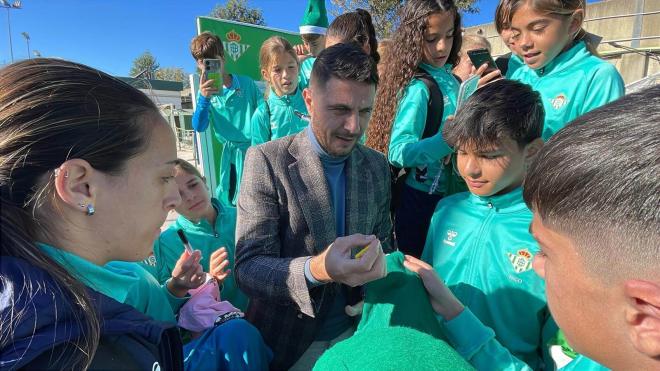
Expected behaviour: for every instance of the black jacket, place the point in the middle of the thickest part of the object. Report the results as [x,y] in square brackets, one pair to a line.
[42,336]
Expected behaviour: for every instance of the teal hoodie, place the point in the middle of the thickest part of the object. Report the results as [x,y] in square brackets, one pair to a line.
[482,248]
[126,282]
[204,237]
[230,112]
[407,149]
[275,118]
[572,84]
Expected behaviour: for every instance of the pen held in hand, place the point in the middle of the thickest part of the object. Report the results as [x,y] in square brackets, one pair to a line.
[185,242]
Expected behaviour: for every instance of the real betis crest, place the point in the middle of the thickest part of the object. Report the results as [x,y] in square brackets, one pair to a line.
[521,260]
[232,46]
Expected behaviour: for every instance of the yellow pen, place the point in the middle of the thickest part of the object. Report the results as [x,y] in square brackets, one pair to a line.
[362,252]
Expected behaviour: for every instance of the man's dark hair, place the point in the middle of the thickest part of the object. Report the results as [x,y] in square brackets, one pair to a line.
[345,62]
[597,181]
[501,109]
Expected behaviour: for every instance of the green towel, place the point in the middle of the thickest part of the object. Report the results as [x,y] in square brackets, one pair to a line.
[399,299]
[398,329]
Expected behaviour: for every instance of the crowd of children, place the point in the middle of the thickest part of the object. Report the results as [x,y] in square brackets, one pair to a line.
[470,219]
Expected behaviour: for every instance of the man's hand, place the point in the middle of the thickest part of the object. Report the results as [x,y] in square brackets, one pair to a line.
[187,274]
[442,299]
[219,264]
[336,265]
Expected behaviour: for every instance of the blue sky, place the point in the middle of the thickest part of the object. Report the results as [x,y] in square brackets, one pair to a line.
[109,34]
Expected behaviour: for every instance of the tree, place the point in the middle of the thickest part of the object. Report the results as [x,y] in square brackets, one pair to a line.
[173,74]
[145,65]
[240,11]
[385,13]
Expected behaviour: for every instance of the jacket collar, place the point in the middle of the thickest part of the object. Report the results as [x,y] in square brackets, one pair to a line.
[203,226]
[565,59]
[505,203]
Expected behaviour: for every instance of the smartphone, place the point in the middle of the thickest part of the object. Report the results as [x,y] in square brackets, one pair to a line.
[481,56]
[213,71]
[467,88]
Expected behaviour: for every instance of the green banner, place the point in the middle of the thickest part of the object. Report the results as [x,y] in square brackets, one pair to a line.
[242,42]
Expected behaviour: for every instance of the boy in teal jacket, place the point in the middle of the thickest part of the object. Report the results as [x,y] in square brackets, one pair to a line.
[594,190]
[479,241]
[229,110]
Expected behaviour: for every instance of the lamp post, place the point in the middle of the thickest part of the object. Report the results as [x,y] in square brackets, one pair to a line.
[27,40]
[16,5]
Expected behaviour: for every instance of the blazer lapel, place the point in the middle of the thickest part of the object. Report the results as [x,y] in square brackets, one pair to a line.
[359,194]
[313,194]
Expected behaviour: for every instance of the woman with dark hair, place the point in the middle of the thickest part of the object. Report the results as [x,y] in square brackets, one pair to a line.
[85,178]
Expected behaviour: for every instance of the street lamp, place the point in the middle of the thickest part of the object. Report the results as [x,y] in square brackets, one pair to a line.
[16,5]
[27,40]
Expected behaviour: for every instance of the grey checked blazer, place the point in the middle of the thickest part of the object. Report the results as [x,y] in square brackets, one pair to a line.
[285,215]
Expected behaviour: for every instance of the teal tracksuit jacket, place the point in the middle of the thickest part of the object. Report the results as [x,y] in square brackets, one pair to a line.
[276,118]
[204,237]
[407,149]
[482,248]
[572,84]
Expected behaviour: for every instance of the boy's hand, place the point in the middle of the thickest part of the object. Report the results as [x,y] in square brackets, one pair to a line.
[486,74]
[206,86]
[442,299]
[300,49]
[187,274]
[219,264]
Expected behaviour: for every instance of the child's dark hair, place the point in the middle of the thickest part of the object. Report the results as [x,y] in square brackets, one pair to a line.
[501,109]
[401,62]
[358,27]
[596,181]
[345,62]
[206,45]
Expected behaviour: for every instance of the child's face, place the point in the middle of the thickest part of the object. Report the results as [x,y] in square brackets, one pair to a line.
[539,37]
[316,46]
[438,38]
[282,74]
[579,302]
[195,199]
[492,171]
[507,38]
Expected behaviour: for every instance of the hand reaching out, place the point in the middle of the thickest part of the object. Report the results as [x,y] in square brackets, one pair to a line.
[187,274]
[219,265]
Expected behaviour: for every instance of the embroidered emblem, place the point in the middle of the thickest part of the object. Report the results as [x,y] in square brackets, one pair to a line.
[232,46]
[559,101]
[151,260]
[521,260]
[450,236]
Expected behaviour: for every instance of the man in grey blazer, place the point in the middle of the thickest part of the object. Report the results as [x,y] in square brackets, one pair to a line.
[308,203]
